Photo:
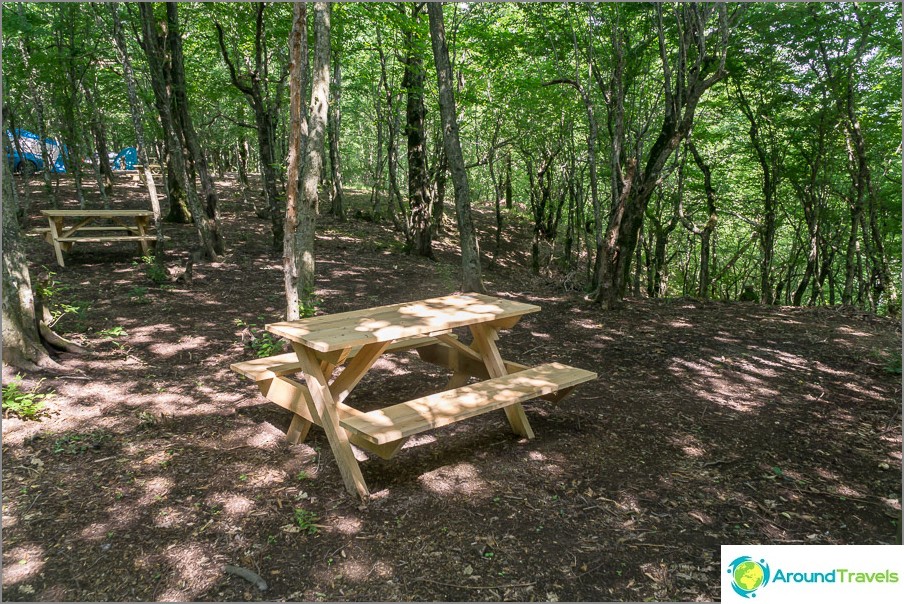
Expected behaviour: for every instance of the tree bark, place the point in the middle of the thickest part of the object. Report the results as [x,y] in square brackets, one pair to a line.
[313,167]
[128,75]
[337,202]
[682,94]
[38,103]
[197,161]
[420,231]
[470,253]
[22,347]
[290,251]
[154,53]
[266,110]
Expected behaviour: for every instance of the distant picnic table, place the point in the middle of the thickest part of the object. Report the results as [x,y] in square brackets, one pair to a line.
[121,225]
[360,337]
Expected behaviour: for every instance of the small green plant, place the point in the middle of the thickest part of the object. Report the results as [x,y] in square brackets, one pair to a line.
[302,475]
[154,270]
[271,539]
[261,342]
[306,520]
[24,404]
[264,345]
[113,332]
[893,365]
[80,442]
[309,304]
[139,295]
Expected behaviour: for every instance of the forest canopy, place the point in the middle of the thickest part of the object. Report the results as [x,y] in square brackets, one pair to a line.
[727,151]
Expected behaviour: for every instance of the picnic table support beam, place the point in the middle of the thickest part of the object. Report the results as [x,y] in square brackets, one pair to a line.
[485,337]
[56,227]
[324,408]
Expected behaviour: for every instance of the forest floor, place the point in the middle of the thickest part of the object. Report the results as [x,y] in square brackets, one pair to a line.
[711,423]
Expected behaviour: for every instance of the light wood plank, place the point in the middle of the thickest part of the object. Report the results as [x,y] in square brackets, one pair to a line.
[485,338]
[324,406]
[436,410]
[95,213]
[283,364]
[113,238]
[410,319]
[346,381]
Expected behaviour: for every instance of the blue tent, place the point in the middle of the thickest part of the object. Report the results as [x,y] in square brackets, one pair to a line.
[31,152]
[126,159]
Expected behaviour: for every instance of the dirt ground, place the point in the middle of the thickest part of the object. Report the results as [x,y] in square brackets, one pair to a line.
[711,423]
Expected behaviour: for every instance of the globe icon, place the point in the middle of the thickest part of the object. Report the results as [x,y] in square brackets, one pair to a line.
[748,575]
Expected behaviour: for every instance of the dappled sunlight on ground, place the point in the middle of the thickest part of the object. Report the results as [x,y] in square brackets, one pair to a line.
[709,423]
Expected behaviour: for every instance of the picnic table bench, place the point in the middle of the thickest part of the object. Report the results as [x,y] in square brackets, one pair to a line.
[128,225]
[359,338]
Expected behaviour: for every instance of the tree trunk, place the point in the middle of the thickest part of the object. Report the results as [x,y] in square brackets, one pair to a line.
[22,347]
[470,253]
[100,141]
[196,157]
[337,206]
[38,103]
[290,251]
[137,123]
[313,167]
[420,231]
[152,47]
[253,86]
[708,47]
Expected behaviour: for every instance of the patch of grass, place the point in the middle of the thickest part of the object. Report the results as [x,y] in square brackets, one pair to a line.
[26,404]
[893,365]
[305,520]
[80,442]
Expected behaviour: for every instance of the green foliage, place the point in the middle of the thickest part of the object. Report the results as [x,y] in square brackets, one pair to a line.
[21,403]
[77,443]
[262,342]
[139,295]
[305,520]
[154,270]
[116,331]
[308,308]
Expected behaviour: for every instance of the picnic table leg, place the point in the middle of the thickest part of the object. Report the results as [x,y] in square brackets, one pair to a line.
[485,337]
[325,409]
[298,430]
[56,227]
[143,245]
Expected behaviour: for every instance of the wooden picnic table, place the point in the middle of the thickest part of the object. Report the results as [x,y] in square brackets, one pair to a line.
[127,225]
[358,338]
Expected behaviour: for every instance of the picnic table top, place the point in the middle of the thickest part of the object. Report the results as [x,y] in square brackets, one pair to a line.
[97,213]
[338,331]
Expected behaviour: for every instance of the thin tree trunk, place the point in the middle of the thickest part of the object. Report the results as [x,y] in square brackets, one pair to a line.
[154,55]
[264,118]
[290,251]
[313,167]
[470,253]
[337,205]
[420,231]
[196,156]
[38,103]
[137,123]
